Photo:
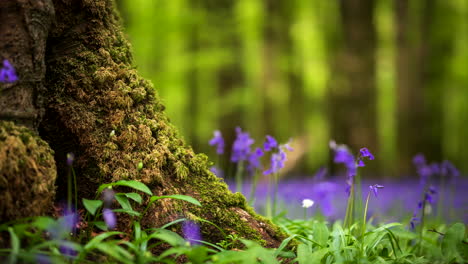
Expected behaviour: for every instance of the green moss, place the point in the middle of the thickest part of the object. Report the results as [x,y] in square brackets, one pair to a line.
[101,84]
[27,173]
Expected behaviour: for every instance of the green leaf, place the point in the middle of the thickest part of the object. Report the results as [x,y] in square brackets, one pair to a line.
[283,245]
[115,251]
[129,212]
[43,222]
[15,246]
[132,184]
[169,237]
[452,241]
[123,201]
[99,238]
[134,196]
[178,197]
[321,233]
[92,205]
[101,225]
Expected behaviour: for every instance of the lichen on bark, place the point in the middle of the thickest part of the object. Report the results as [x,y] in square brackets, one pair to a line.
[93,89]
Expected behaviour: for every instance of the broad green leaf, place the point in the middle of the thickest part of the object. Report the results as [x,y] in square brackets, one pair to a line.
[452,241]
[99,238]
[134,196]
[43,222]
[321,233]
[115,251]
[92,205]
[169,237]
[304,253]
[284,244]
[132,184]
[129,212]
[101,225]
[123,201]
[178,197]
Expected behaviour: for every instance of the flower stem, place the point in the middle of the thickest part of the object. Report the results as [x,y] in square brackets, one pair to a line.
[364,219]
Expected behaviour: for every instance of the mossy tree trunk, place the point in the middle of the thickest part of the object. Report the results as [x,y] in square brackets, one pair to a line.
[91,89]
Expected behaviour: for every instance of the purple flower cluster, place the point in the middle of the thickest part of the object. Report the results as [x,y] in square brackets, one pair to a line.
[191,232]
[270,143]
[277,162]
[254,160]
[241,146]
[8,73]
[217,141]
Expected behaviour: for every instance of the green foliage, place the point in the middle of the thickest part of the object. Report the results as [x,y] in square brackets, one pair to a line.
[310,241]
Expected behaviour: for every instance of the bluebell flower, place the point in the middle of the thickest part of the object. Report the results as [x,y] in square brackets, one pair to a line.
[109,218]
[342,155]
[217,141]
[375,187]
[419,160]
[447,168]
[8,73]
[270,143]
[277,160]
[254,160]
[64,226]
[191,232]
[365,153]
[241,146]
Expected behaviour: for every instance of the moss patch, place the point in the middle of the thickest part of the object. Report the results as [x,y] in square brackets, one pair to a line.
[27,173]
[95,91]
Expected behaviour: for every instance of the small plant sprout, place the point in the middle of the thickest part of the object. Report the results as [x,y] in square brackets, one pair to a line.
[140,166]
[373,188]
[307,203]
[112,133]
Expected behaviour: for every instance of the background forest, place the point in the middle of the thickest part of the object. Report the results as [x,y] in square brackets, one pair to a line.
[388,75]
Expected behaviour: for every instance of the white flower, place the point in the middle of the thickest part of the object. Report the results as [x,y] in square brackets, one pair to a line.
[306,203]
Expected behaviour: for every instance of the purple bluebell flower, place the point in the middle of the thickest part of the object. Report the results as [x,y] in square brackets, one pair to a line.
[217,141]
[43,259]
[254,160]
[270,143]
[217,171]
[191,232]
[68,251]
[435,168]
[365,153]
[277,161]
[109,218]
[70,158]
[419,160]
[64,226]
[447,168]
[375,187]
[342,155]
[8,73]
[241,146]
[287,146]
[414,220]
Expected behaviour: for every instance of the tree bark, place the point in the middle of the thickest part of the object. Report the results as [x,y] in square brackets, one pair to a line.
[91,90]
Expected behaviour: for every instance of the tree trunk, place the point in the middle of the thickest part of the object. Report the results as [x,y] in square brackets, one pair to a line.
[353,91]
[91,90]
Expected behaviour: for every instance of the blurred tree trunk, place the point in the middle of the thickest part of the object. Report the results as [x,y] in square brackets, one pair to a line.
[93,89]
[353,93]
[420,70]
